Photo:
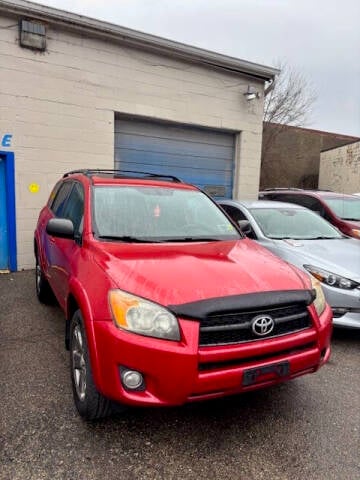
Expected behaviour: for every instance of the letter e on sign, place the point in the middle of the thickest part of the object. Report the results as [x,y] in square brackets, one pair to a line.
[6,140]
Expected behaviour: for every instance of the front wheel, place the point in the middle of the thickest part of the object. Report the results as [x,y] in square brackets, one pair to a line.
[90,404]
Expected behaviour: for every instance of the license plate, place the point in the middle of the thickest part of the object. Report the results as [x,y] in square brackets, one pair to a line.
[261,374]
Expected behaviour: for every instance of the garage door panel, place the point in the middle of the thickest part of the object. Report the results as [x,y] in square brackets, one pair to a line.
[170,131]
[171,160]
[148,144]
[190,175]
[198,156]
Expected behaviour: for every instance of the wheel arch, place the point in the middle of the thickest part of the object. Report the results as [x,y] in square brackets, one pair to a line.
[78,300]
[71,307]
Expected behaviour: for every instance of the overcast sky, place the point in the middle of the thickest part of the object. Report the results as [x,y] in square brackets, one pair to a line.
[320,38]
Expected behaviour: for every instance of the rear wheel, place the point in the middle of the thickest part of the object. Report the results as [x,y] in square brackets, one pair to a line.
[90,404]
[43,289]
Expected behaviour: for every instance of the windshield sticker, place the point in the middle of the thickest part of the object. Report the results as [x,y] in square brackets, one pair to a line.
[157,211]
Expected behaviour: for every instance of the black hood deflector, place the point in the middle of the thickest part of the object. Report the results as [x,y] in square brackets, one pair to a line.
[237,303]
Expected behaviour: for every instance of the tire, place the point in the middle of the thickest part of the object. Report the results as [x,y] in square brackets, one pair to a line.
[90,404]
[43,289]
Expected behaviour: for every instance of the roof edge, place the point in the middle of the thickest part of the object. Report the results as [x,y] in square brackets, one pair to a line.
[137,38]
[311,130]
[340,146]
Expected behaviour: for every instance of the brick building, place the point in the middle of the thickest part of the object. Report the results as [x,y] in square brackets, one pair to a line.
[340,169]
[292,158]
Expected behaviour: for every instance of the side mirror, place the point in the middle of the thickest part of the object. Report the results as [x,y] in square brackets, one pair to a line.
[245,226]
[60,227]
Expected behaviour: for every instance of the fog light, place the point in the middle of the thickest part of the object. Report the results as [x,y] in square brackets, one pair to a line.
[131,379]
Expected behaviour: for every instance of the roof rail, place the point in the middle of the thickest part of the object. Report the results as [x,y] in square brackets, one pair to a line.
[320,189]
[281,188]
[122,173]
[297,189]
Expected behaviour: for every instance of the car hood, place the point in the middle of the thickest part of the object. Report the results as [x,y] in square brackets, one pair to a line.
[341,256]
[179,273]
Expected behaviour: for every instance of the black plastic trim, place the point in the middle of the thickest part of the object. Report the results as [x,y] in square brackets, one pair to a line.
[123,174]
[203,366]
[235,303]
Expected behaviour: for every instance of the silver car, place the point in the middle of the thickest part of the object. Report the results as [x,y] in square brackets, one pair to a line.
[303,238]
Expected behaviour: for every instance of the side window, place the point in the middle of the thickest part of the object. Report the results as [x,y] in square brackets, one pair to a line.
[311,203]
[58,204]
[267,196]
[285,197]
[234,213]
[74,208]
[53,194]
[327,216]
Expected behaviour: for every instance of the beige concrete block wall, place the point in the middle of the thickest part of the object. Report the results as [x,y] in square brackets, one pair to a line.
[59,106]
[340,169]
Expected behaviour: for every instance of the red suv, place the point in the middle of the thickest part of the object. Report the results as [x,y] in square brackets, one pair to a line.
[340,209]
[165,300]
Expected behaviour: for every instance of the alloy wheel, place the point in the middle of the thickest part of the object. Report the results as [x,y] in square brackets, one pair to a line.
[78,363]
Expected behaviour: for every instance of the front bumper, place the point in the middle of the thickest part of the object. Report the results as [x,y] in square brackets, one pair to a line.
[180,372]
[345,305]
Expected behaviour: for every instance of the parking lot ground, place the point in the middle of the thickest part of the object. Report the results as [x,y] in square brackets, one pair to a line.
[305,429]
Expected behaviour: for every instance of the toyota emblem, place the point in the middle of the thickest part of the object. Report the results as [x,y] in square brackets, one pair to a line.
[262,325]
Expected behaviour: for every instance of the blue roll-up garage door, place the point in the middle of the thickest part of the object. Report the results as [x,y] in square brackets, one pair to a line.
[199,156]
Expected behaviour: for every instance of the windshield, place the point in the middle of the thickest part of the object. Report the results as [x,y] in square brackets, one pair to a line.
[132,213]
[346,208]
[294,223]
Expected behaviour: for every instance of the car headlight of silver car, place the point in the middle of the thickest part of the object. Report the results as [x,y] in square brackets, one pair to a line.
[137,315]
[331,279]
[319,302]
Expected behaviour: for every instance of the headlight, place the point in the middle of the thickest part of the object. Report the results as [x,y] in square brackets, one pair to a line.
[137,315]
[331,279]
[319,302]
[356,232]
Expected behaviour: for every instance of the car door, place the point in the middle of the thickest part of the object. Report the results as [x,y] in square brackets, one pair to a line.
[65,252]
[55,208]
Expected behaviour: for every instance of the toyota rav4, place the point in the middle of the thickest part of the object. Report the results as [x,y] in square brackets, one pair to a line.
[166,302]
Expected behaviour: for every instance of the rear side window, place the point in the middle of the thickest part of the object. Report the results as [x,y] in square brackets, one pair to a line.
[58,204]
[304,200]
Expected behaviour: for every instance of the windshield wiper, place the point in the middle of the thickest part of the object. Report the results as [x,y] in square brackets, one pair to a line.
[322,238]
[351,219]
[127,239]
[284,238]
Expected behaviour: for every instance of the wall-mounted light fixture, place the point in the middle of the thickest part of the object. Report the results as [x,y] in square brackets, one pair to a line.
[32,35]
[251,93]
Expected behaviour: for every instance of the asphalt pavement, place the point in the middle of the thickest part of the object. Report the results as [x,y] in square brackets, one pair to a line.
[305,429]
